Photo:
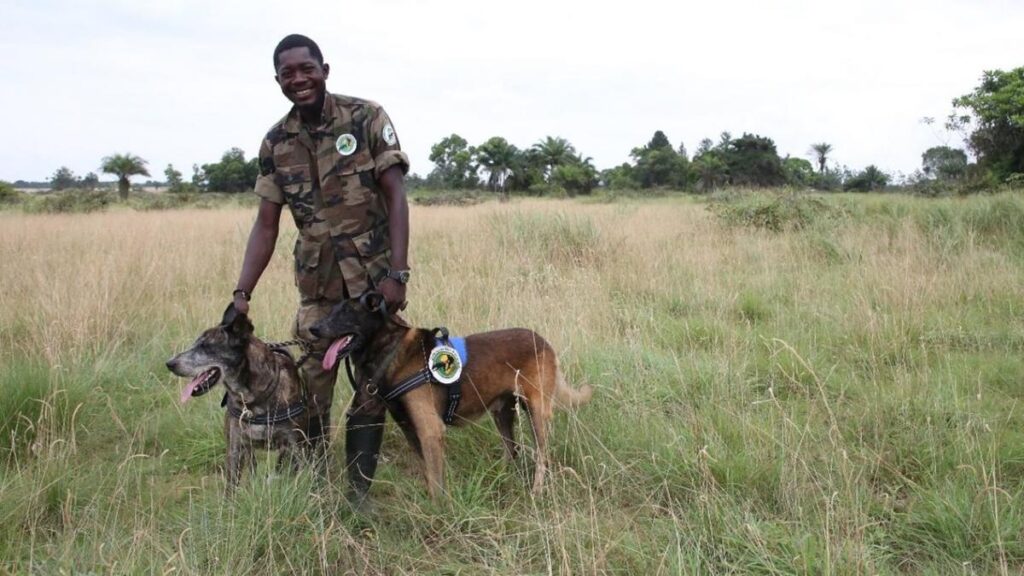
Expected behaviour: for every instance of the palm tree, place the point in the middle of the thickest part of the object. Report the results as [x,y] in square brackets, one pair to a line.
[124,166]
[711,171]
[554,152]
[497,157]
[821,150]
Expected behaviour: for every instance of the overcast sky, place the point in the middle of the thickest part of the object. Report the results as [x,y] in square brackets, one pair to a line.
[181,81]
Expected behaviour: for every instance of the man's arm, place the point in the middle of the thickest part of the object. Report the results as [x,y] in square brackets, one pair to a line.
[258,251]
[398,230]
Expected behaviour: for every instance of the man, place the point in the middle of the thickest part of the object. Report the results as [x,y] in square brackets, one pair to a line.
[336,162]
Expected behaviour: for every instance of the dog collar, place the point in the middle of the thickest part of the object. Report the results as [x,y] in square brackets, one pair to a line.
[274,417]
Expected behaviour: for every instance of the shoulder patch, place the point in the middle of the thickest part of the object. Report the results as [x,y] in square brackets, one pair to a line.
[389,134]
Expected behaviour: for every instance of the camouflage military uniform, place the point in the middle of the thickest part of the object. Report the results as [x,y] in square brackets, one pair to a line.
[328,177]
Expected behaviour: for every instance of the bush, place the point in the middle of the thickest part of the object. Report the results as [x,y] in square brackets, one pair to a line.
[8,195]
[72,201]
[1015,181]
[773,211]
[934,188]
[161,201]
[829,180]
[448,198]
[871,178]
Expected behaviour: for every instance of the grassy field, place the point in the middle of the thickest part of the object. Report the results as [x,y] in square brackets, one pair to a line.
[825,385]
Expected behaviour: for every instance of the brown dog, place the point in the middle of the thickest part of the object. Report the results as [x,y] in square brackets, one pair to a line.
[265,404]
[504,367]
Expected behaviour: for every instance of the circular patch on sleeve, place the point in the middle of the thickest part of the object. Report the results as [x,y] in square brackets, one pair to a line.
[346,144]
[389,134]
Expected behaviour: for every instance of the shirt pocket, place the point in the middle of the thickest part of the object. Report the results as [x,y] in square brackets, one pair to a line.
[297,188]
[373,247]
[308,267]
[350,191]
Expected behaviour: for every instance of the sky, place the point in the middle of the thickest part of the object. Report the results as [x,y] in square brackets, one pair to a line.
[182,81]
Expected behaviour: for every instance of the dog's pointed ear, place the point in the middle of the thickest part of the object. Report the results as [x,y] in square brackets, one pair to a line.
[371,299]
[237,323]
[229,315]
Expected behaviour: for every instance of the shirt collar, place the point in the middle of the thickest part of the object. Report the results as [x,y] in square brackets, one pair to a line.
[293,124]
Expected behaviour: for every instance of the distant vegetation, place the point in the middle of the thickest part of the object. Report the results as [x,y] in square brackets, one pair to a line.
[990,120]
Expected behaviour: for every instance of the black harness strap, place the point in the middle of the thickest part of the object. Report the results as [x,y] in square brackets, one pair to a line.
[275,417]
[415,381]
[454,395]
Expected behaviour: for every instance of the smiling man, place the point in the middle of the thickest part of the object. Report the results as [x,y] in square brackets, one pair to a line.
[335,161]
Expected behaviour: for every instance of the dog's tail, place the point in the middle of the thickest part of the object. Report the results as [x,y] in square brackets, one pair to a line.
[570,397]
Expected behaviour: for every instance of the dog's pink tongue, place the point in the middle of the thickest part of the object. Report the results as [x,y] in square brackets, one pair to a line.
[331,357]
[187,392]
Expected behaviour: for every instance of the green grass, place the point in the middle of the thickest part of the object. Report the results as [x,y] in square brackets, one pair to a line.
[837,397]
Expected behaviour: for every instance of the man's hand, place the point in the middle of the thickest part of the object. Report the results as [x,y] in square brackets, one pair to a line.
[394,294]
[241,304]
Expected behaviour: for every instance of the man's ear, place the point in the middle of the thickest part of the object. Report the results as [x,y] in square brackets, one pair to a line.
[327,70]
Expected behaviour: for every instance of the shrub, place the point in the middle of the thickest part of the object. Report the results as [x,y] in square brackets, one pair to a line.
[72,201]
[871,178]
[773,211]
[161,201]
[8,195]
[448,198]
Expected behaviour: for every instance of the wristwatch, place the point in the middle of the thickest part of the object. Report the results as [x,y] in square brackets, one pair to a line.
[402,276]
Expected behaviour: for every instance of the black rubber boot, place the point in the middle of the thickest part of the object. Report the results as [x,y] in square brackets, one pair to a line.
[363,437]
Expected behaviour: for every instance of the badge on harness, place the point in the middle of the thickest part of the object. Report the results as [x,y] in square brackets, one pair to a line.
[444,364]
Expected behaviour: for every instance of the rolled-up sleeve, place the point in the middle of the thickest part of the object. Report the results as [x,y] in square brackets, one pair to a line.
[384,144]
[266,182]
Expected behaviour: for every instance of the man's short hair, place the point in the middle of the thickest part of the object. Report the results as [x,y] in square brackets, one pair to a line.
[298,41]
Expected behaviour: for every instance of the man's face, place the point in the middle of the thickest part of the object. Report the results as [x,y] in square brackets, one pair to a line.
[301,77]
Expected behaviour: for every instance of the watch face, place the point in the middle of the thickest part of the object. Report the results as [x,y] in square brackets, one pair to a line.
[403,277]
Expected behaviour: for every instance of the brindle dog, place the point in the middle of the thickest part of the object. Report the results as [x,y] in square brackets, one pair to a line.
[504,367]
[265,403]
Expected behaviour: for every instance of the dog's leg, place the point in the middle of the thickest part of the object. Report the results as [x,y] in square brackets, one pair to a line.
[317,440]
[540,411]
[288,457]
[401,417]
[504,415]
[239,456]
[429,427]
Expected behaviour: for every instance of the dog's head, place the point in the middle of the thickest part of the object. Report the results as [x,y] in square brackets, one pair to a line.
[350,325]
[217,355]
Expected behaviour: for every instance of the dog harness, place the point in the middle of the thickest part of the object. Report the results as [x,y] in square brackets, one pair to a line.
[444,368]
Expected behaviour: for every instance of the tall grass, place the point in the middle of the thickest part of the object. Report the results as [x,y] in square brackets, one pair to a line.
[840,396]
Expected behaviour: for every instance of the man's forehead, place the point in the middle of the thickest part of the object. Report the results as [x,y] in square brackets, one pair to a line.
[295,57]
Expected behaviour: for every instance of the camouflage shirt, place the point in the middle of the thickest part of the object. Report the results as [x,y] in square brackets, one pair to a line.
[328,176]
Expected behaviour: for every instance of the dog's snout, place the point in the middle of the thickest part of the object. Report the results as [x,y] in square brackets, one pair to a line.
[170,364]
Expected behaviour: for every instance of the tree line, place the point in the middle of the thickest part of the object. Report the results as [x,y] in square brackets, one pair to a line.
[990,120]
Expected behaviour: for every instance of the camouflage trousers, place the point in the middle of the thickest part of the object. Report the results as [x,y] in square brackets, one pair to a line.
[320,382]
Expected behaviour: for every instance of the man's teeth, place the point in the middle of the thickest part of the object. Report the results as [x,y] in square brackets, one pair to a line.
[304,93]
